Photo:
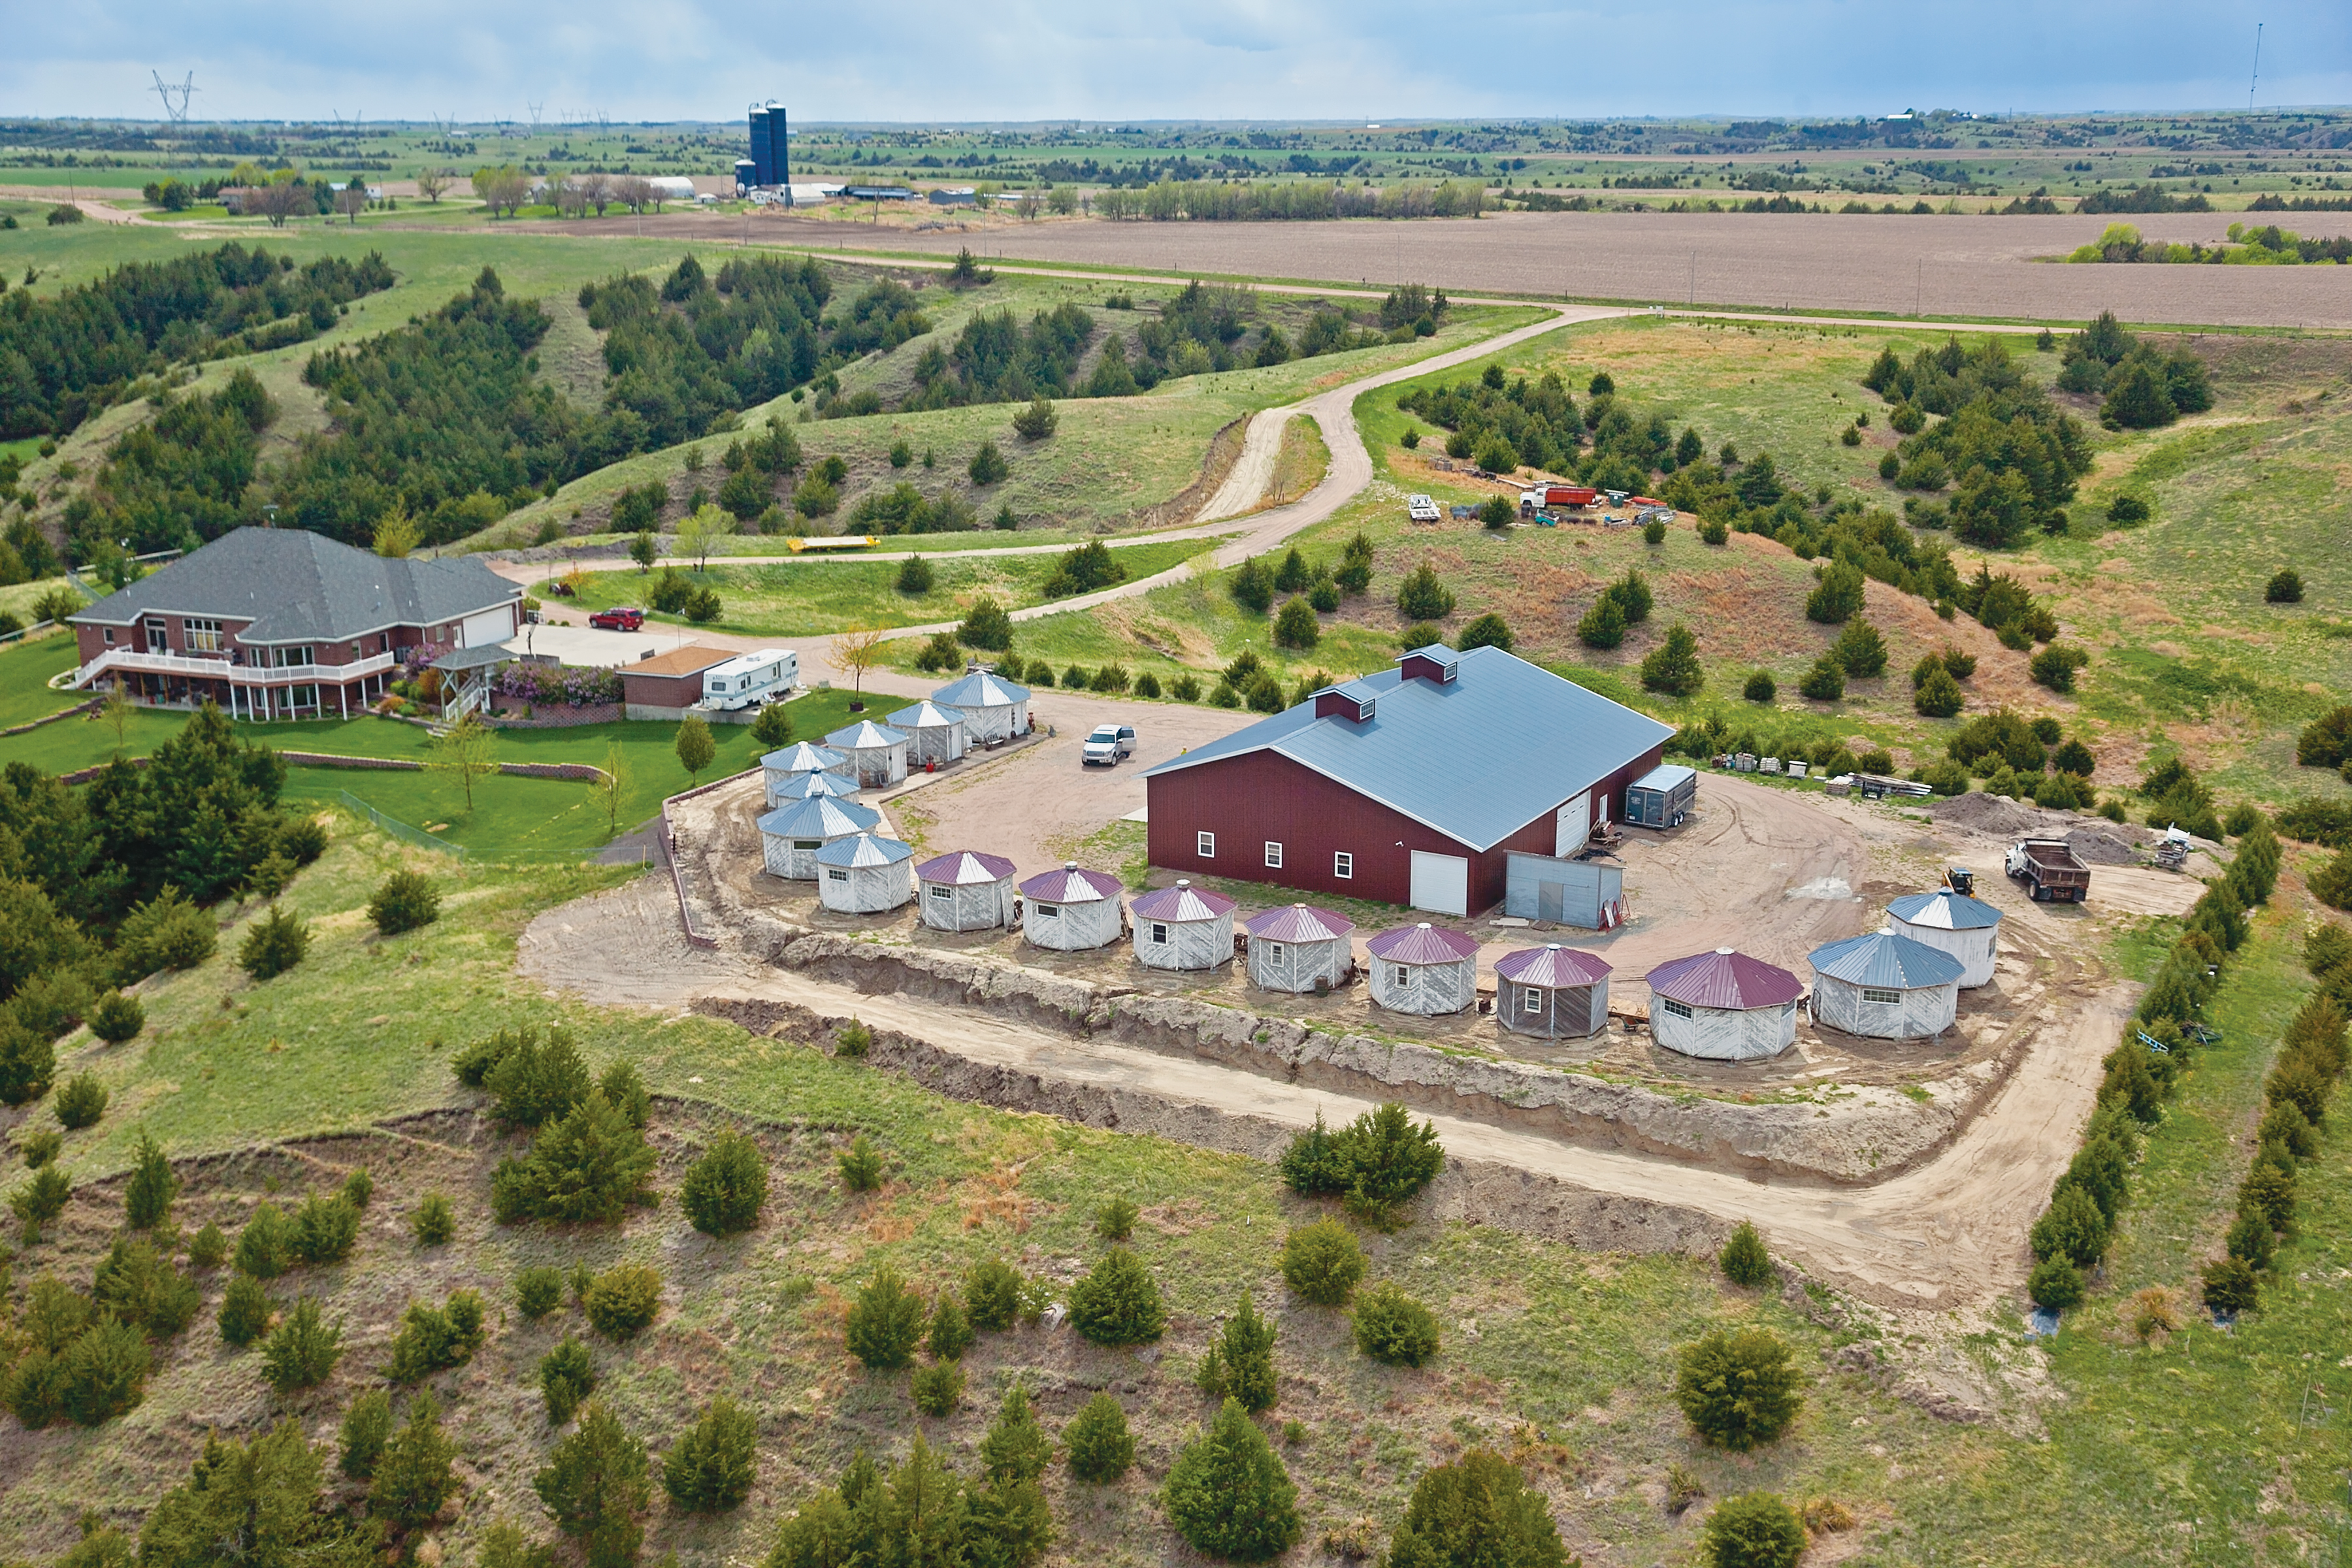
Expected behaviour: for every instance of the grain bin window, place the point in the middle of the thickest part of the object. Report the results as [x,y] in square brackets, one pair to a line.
[1205,845]
[1343,865]
[1273,952]
[1049,911]
[943,892]
[1158,934]
[1530,1000]
[1273,855]
[833,875]
[1404,976]
[808,843]
[1679,1009]
[1885,998]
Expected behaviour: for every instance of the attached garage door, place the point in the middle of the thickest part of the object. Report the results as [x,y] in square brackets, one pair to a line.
[1441,883]
[490,626]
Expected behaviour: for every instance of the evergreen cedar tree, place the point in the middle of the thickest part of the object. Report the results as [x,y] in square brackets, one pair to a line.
[566,1378]
[993,1292]
[1861,650]
[724,1189]
[589,1167]
[2285,588]
[1479,1509]
[1085,569]
[886,1322]
[713,1463]
[1744,1260]
[243,1312]
[435,1339]
[1296,628]
[273,1482]
[1228,1495]
[594,1485]
[988,466]
[1097,1439]
[1837,595]
[1825,682]
[623,1301]
[1393,1328]
[920,1511]
[1115,1221]
[1117,1302]
[1377,1162]
[1322,1262]
[1760,687]
[117,1018]
[302,1350]
[405,902]
[1239,1363]
[1489,630]
[938,1389]
[434,1222]
[82,1102]
[2055,1284]
[366,1427]
[1423,596]
[1672,666]
[538,1290]
[1015,1447]
[414,1474]
[950,1332]
[1603,625]
[986,626]
[861,1163]
[772,729]
[1753,1530]
[273,945]
[1739,1388]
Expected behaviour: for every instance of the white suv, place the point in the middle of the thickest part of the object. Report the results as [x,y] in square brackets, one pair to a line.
[1108,743]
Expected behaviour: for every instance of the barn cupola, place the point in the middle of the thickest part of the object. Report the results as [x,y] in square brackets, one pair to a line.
[1355,702]
[1437,664]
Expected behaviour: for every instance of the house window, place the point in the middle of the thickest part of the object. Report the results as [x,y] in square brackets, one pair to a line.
[1272,855]
[1343,865]
[109,637]
[1046,911]
[1530,1000]
[1158,934]
[1679,1009]
[833,875]
[302,696]
[1870,994]
[1402,976]
[1205,845]
[287,658]
[383,643]
[203,637]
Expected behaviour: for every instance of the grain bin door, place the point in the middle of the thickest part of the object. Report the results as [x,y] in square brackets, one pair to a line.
[1441,883]
[1572,826]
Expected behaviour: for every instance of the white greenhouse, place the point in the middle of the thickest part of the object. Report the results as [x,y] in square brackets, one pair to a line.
[934,734]
[1724,1007]
[791,835]
[1559,993]
[966,890]
[1424,969]
[779,768]
[992,707]
[864,875]
[1069,909]
[878,752]
[1967,928]
[1885,987]
[1299,949]
[1183,927]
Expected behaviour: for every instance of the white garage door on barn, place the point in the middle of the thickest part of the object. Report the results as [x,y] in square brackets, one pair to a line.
[1441,883]
[1572,826]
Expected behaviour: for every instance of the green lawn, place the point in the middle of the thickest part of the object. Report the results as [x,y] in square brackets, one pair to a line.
[24,670]
[810,598]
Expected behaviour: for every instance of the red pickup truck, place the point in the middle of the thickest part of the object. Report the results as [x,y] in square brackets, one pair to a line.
[619,619]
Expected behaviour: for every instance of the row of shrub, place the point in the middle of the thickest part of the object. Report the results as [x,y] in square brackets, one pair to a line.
[2145,1070]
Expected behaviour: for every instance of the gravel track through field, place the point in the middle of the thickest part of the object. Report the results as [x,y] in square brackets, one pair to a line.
[1260,446]
[1946,1234]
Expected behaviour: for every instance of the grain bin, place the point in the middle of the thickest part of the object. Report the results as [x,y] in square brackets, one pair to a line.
[1183,927]
[1885,987]
[791,835]
[1967,928]
[864,874]
[1069,909]
[1723,1006]
[966,890]
[1297,948]
[934,734]
[1424,969]
[878,752]
[1555,991]
[993,707]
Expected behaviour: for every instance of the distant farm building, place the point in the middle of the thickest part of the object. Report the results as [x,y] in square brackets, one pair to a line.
[1415,786]
[966,890]
[1424,969]
[1558,992]
[791,835]
[864,874]
[1070,909]
[1183,927]
[1968,929]
[1885,986]
[1299,948]
[1723,1006]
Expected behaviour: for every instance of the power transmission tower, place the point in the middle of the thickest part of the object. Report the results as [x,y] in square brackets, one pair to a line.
[175,115]
[534,109]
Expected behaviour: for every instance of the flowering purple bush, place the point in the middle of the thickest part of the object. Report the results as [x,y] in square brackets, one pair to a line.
[547,683]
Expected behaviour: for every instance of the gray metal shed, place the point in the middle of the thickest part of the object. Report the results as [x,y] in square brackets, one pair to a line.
[800,786]
[934,734]
[1070,909]
[1424,969]
[1587,894]
[993,707]
[876,750]
[778,768]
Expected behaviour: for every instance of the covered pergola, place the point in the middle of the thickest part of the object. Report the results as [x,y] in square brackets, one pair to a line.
[468,675]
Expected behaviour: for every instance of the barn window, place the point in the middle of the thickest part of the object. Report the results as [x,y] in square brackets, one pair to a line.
[1049,911]
[1205,844]
[1679,1009]
[1870,994]
[834,876]
[1530,1000]
[943,892]
[1158,933]
[1272,855]
[1343,865]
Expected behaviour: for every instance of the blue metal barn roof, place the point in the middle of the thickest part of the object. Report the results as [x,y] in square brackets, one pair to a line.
[1477,757]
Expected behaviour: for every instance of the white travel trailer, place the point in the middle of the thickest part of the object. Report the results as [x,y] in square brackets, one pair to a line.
[750,679]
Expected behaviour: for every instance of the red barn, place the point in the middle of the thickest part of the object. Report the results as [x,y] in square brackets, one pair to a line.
[1410,786]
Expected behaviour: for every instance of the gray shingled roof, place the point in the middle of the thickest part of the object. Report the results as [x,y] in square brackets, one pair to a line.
[1477,758]
[297,586]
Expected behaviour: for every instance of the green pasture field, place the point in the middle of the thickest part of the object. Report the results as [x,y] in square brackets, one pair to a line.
[812,597]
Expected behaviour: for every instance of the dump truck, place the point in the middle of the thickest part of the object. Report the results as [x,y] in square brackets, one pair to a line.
[2052,868]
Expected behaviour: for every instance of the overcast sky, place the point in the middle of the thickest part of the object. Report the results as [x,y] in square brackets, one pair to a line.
[935,61]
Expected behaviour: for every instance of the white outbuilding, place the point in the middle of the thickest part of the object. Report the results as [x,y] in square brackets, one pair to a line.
[791,835]
[864,874]
[1424,969]
[800,786]
[1559,993]
[1070,909]
[876,754]
[1885,987]
[1967,928]
[1724,1007]
[780,768]
[1183,927]
[934,734]
[966,890]
[992,709]
[1299,949]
